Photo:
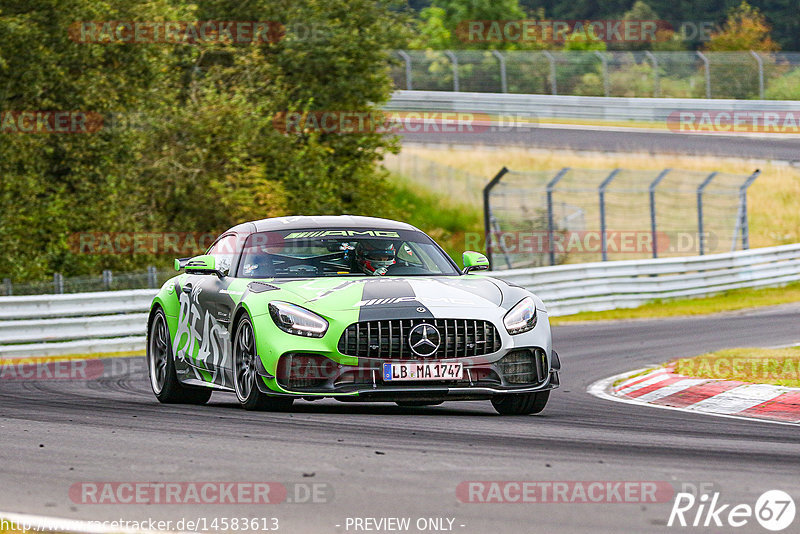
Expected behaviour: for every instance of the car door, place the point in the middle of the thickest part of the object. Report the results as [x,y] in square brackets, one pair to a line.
[205,315]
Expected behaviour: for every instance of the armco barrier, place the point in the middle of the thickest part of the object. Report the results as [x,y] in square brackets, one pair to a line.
[575,107]
[115,321]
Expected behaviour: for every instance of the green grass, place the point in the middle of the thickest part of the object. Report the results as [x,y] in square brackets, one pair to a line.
[446,221]
[780,367]
[736,299]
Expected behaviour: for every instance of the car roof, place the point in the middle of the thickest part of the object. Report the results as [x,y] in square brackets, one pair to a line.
[321,222]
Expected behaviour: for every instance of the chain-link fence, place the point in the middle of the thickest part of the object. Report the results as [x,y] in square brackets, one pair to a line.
[740,75]
[539,218]
[107,281]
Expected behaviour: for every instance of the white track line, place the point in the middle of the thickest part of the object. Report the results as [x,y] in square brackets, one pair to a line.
[601,388]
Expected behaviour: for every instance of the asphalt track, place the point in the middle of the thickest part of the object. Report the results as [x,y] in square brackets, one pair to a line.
[382,460]
[621,140]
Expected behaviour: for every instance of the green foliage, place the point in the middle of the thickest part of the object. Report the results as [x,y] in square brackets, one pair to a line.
[785,87]
[441,25]
[447,222]
[746,28]
[192,147]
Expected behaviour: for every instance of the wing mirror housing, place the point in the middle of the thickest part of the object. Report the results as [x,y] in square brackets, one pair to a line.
[474,261]
[205,264]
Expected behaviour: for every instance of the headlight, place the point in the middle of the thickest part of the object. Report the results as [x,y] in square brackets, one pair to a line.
[522,317]
[296,320]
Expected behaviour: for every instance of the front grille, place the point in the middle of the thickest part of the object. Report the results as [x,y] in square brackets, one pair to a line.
[460,338]
[523,366]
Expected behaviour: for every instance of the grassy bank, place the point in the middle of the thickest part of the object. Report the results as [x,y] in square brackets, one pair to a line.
[780,367]
[772,199]
[446,220]
[736,299]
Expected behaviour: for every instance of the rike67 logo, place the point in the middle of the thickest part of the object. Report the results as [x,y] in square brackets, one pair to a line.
[774,510]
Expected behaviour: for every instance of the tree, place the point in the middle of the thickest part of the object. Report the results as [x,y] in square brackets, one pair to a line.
[442,25]
[193,145]
[745,28]
[736,75]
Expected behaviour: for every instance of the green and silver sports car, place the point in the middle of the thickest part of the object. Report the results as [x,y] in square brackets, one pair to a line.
[354,308]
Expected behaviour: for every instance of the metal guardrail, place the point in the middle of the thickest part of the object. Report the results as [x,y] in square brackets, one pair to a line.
[575,107]
[568,289]
[742,74]
[115,321]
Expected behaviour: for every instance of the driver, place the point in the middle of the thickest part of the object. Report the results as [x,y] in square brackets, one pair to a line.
[375,257]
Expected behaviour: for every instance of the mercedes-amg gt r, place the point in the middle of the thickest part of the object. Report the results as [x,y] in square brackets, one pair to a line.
[353,308]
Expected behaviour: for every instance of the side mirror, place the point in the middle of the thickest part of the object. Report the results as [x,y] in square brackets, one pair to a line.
[474,261]
[205,264]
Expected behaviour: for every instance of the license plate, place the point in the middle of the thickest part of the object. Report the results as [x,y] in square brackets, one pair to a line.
[422,371]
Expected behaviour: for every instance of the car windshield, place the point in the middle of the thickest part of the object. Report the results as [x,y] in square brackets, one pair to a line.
[311,253]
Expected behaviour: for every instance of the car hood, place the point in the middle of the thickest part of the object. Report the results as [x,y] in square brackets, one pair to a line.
[391,297]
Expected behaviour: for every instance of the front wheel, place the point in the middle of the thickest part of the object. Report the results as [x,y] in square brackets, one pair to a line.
[520,403]
[245,375]
[161,365]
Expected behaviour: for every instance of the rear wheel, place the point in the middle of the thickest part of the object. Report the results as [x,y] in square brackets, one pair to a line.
[520,403]
[161,365]
[245,375]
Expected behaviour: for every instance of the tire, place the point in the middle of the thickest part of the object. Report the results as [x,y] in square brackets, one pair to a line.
[161,367]
[413,404]
[521,403]
[244,372]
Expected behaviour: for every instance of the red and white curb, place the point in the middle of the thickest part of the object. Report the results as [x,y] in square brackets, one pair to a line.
[663,388]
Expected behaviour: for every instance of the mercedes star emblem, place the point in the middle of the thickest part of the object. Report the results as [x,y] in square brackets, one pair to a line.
[424,340]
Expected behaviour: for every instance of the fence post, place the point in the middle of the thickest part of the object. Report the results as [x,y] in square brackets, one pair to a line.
[653,226]
[708,72]
[502,62]
[454,61]
[407,60]
[700,189]
[743,203]
[602,193]
[550,225]
[760,74]
[107,277]
[553,82]
[9,288]
[604,60]
[656,82]
[487,212]
[58,283]
[152,277]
